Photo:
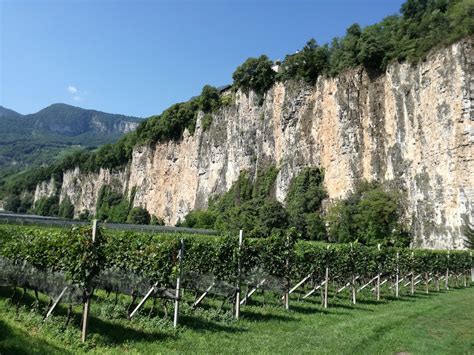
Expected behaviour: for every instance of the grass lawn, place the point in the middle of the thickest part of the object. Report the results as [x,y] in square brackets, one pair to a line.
[437,323]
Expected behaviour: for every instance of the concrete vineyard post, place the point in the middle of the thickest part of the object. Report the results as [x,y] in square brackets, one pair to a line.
[286,296]
[87,303]
[397,276]
[237,295]
[378,277]
[472,268]
[427,290]
[178,285]
[326,283]
[447,274]
[353,281]
[412,273]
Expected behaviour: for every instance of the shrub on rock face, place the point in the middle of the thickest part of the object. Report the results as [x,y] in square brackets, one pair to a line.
[255,74]
[138,215]
[157,221]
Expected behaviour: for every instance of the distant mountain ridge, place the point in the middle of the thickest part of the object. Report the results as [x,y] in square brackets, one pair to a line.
[38,138]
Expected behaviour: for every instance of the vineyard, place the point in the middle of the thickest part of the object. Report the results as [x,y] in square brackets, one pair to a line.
[69,266]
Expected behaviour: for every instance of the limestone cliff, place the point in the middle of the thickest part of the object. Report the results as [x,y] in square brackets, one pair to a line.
[412,127]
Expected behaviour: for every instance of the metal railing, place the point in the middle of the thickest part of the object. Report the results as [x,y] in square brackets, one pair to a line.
[26,219]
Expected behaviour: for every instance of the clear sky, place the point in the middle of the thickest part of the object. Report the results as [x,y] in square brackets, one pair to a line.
[138,57]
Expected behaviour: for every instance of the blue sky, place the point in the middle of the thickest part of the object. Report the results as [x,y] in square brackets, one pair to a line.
[139,57]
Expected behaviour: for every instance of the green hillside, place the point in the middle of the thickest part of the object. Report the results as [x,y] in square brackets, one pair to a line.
[43,137]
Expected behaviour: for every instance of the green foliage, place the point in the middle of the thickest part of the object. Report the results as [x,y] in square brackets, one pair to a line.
[47,206]
[138,215]
[157,221]
[209,101]
[307,64]
[66,208]
[303,203]
[72,253]
[12,203]
[44,137]
[111,204]
[84,215]
[255,74]
[281,255]
[227,100]
[199,219]
[371,215]
[114,207]
[206,121]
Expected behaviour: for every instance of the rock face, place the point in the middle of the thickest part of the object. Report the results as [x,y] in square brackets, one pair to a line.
[412,127]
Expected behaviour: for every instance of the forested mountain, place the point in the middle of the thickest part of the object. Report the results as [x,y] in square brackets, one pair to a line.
[39,138]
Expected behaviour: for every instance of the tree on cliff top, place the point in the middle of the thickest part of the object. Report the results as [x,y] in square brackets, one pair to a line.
[255,74]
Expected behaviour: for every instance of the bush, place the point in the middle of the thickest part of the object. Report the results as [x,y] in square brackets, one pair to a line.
[371,215]
[47,206]
[206,121]
[138,215]
[199,219]
[157,221]
[66,208]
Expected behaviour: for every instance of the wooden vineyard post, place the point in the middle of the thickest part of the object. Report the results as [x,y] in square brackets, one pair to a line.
[447,274]
[412,273]
[87,303]
[237,295]
[397,276]
[378,277]
[326,283]
[178,285]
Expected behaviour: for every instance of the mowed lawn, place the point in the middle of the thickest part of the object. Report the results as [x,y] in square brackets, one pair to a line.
[437,323]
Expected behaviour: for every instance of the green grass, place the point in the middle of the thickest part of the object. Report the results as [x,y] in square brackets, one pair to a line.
[437,323]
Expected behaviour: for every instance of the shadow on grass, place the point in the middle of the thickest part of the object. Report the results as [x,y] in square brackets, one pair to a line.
[115,333]
[250,315]
[19,342]
[198,324]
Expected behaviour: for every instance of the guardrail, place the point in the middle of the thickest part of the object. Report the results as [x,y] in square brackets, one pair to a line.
[25,219]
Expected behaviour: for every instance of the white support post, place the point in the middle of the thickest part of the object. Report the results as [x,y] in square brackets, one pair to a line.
[314,290]
[178,285]
[144,299]
[412,274]
[427,290]
[246,298]
[55,303]
[326,284]
[447,274]
[199,300]
[378,280]
[237,295]
[472,268]
[353,288]
[87,303]
[397,276]
[286,295]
